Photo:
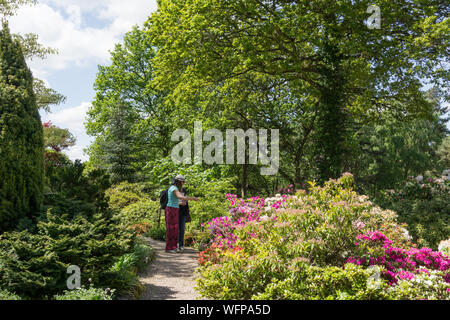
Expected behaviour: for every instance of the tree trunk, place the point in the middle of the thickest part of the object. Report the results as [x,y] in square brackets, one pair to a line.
[244,181]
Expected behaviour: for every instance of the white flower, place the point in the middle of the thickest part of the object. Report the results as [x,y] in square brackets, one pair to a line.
[419,179]
[444,246]
[406,234]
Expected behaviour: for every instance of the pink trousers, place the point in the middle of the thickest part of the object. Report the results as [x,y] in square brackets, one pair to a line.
[171,215]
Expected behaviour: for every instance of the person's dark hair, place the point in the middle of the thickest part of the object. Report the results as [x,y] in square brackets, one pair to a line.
[178,184]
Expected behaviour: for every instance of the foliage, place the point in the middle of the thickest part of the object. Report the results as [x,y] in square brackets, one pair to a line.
[56,138]
[158,232]
[45,97]
[444,247]
[124,194]
[322,53]
[119,146]
[126,82]
[301,242]
[9,7]
[209,182]
[424,206]
[71,190]
[444,153]
[325,283]
[31,48]
[122,274]
[86,294]
[21,137]
[141,211]
[424,286]
[6,295]
[395,147]
[34,265]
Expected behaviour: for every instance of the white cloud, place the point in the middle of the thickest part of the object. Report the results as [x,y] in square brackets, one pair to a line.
[76,152]
[70,118]
[62,25]
[83,31]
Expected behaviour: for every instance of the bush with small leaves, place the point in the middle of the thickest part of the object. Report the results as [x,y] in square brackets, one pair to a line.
[86,294]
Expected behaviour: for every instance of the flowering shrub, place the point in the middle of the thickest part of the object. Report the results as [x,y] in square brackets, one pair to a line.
[423,286]
[240,213]
[399,264]
[274,254]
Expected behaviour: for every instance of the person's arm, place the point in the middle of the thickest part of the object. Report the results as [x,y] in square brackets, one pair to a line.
[180,196]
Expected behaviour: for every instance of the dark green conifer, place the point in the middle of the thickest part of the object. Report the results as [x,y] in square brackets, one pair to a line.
[21,137]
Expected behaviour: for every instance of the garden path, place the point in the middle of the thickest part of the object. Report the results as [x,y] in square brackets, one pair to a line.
[171,275]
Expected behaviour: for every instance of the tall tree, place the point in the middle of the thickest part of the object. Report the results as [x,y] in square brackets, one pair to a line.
[393,148]
[127,81]
[55,140]
[321,48]
[119,146]
[21,137]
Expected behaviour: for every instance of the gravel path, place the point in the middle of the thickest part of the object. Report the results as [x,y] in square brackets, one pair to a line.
[171,275]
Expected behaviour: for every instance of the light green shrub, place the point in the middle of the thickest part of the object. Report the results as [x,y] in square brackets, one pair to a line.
[6,295]
[143,210]
[86,294]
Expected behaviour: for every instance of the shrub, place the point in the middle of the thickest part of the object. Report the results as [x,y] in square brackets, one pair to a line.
[260,250]
[158,232]
[124,194]
[6,295]
[86,294]
[123,273]
[329,283]
[376,249]
[204,210]
[138,212]
[27,267]
[68,181]
[34,265]
[424,286]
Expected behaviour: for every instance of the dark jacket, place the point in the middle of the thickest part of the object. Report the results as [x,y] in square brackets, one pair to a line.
[184,210]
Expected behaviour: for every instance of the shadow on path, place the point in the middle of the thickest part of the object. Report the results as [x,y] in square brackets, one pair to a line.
[170,276]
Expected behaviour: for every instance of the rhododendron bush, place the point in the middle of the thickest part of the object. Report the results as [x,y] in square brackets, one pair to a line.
[321,243]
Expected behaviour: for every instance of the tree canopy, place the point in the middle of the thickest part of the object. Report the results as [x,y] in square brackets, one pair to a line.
[321,49]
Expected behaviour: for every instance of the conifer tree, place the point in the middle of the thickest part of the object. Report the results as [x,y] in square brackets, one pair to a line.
[118,148]
[21,137]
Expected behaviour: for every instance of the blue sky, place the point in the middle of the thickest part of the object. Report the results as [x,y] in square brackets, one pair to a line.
[83,31]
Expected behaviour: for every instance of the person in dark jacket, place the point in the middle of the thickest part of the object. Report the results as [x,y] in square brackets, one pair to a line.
[183,217]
